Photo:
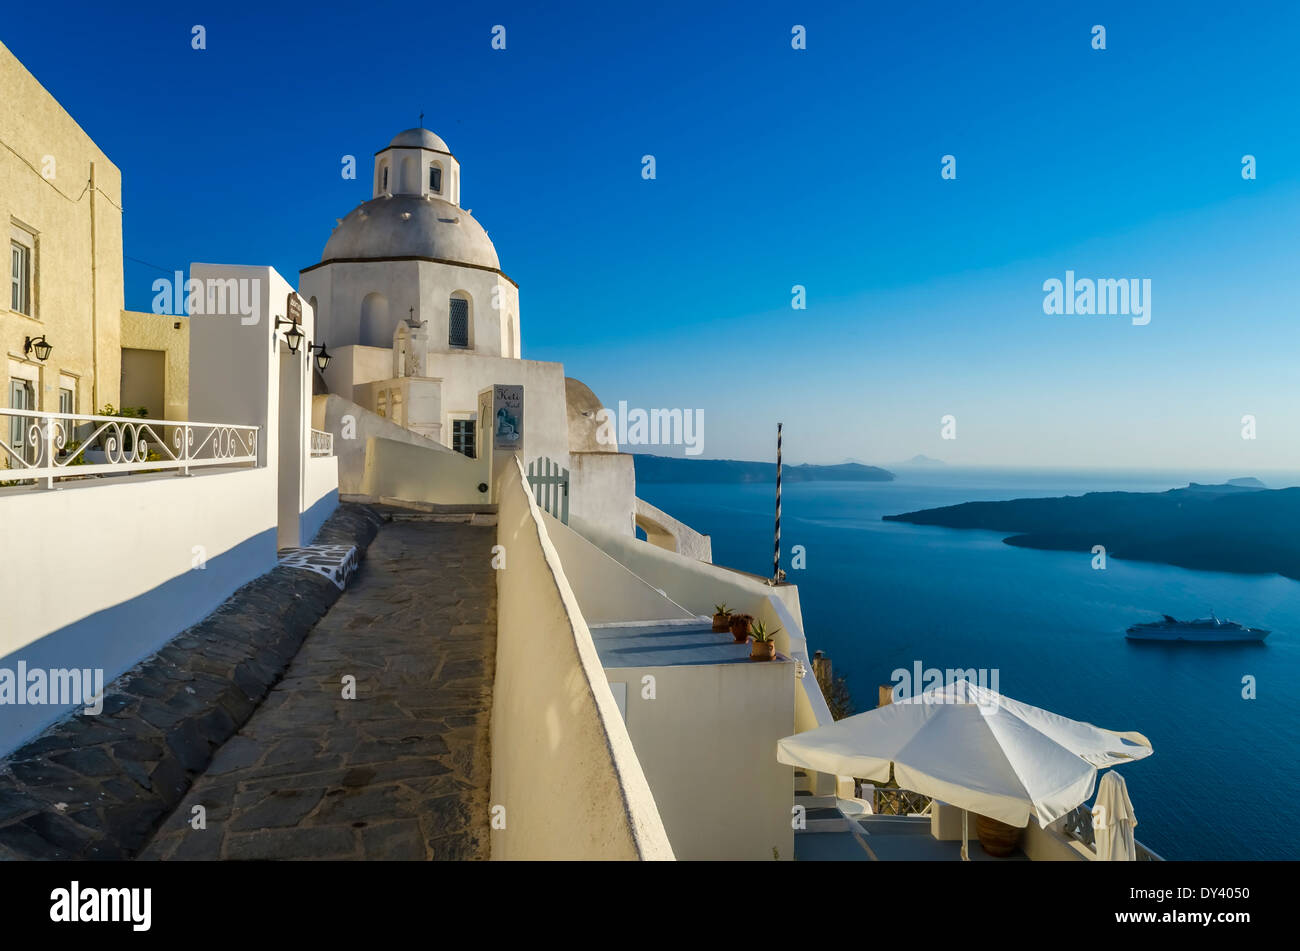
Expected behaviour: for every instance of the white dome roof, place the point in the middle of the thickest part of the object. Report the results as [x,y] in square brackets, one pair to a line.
[409,226]
[419,138]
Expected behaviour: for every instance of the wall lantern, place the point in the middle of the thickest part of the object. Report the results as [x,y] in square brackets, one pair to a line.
[293,336]
[39,344]
[322,358]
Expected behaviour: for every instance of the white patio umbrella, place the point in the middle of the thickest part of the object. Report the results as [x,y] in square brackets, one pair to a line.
[971,747]
[1114,820]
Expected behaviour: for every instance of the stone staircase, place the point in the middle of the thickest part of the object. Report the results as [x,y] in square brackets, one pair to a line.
[822,815]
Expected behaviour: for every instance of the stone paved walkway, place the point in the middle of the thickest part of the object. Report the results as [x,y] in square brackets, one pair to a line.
[400,772]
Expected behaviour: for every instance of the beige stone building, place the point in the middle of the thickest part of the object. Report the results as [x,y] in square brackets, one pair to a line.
[61,208]
[155,364]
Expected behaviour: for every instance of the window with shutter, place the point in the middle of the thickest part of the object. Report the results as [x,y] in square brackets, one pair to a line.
[20,297]
[458,329]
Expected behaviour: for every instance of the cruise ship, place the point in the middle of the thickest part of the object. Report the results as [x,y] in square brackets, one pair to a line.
[1205,630]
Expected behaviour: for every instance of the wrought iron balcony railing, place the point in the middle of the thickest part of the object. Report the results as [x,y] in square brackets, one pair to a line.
[45,447]
[322,443]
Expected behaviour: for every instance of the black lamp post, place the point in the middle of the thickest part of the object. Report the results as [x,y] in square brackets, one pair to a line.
[40,345]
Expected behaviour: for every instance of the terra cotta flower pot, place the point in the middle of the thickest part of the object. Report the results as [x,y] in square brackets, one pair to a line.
[740,627]
[721,622]
[763,650]
[997,838]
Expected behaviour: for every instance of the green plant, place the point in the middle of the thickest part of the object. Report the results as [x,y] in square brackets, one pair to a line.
[761,634]
[70,449]
[126,412]
[721,609]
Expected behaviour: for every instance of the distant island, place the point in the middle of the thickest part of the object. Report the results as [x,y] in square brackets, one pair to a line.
[920,460]
[1239,526]
[652,468]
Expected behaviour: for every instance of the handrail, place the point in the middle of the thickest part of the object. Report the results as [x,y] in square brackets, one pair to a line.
[322,443]
[41,446]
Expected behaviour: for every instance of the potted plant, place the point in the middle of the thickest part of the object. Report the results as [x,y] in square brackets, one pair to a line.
[721,618]
[98,453]
[764,642]
[740,627]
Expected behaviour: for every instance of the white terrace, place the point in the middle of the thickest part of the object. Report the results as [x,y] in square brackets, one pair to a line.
[120,532]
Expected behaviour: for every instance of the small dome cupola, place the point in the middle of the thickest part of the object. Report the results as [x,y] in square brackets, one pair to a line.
[417,164]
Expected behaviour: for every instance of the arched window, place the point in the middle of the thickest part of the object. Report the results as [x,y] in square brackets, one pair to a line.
[458,324]
[383,187]
[435,178]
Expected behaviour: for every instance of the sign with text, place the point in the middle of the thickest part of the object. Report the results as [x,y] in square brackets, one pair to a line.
[293,309]
[508,416]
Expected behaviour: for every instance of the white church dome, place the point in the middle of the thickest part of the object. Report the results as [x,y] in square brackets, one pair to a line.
[419,139]
[407,226]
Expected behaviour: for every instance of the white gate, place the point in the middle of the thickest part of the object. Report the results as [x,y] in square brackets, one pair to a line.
[550,483]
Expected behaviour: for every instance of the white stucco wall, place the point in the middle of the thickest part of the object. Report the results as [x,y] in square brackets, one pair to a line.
[664,531]
[462,376]
[241,371]
[351,366]
[546,418]
[352,426]
[320,494]
[341,289]
[606,591]
[602,489]
[139,558]
[563,766]
[707,743]
[695,585]
[399,470]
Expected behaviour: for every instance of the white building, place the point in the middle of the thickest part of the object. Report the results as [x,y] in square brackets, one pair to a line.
[421,320]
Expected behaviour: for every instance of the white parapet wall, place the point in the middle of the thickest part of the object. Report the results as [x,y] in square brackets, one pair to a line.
[400,470]
[352,426]
[602,489]
[694,584]
[564,773]
[320,493]
[107,571]
[606,591]
[706,737]
[698,586]
[664,531]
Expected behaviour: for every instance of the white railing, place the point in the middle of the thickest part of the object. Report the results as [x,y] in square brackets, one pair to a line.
[42,447]
[1078,826]
[322,443]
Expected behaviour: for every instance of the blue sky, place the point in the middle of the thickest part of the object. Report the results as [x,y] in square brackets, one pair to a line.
[775,167]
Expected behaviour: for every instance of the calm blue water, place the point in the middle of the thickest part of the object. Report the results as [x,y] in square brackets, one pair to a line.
[1224,779]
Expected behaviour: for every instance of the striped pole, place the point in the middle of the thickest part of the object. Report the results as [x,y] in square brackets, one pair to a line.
[776,553]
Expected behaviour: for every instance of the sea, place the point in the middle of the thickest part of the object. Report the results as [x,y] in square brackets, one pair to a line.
[878,597]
